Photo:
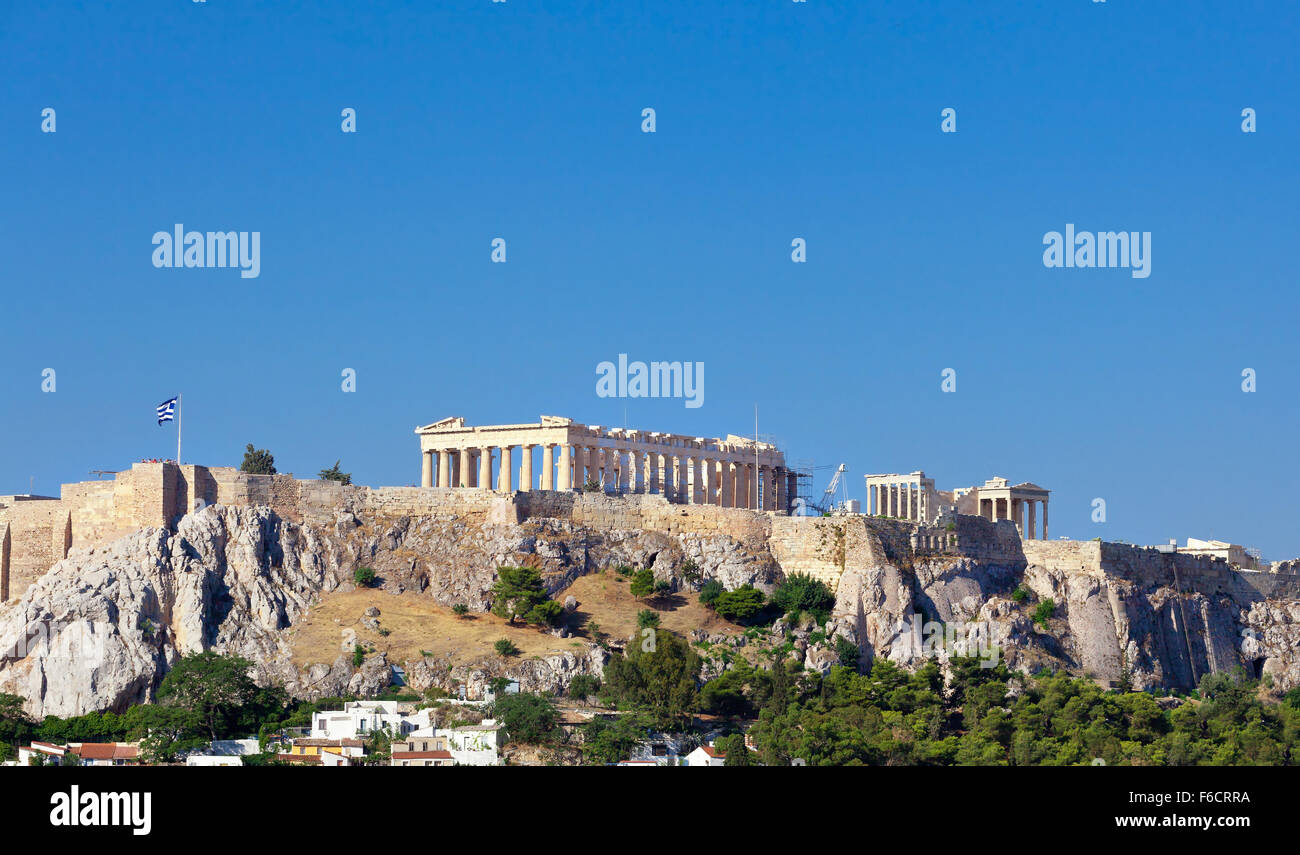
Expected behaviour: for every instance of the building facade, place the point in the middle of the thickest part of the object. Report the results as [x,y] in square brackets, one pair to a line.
[912,496]
[560,454]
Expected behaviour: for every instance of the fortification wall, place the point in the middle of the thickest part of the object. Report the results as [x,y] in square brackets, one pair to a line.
[36,532]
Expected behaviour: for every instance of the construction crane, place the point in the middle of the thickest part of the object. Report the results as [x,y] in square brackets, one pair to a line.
[828,503]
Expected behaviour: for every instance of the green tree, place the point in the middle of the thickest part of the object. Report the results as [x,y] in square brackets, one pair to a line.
[257,461]
[364,577]
[608,742]
[710,592]
[584,686]
[15,725]
[846,652]
[800,592]
[525,717]
[166,731]
[643,583]
[545,613]
[646,619]
[734,748]
[505,647]
[657,674]
[335,474]
[740,604]
[516,592]
[211,686]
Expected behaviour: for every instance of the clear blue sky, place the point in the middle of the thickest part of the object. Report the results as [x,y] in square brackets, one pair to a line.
[775,120]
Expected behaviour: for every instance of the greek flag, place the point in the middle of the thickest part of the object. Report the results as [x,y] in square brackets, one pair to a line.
[167,411]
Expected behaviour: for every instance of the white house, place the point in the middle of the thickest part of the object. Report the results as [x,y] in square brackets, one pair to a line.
[359,719]
[660,749]
[471,745]
[474,745]
[48,752]
[233,747]
[214,760]
[706,755]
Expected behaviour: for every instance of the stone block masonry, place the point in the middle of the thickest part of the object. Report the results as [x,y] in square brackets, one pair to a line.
[38,531]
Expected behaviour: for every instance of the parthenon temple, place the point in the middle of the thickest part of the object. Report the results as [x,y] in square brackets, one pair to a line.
[560,454]
[913,497]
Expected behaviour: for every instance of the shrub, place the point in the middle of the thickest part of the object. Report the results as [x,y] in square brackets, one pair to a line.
[505,647]
[546,613]
[1043,611]
[460,610]
[646,619]
[335,474]
[740,604]
[364,577]
[517,592]
[643,583]
[847,652]
[710,592]
[358,656]
[257,461]
[584,686]
[1020,594]
[802,593]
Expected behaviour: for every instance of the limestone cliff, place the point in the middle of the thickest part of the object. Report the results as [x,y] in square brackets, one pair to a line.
[101,628]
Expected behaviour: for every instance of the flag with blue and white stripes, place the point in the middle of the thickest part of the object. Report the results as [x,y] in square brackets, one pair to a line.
[167,411]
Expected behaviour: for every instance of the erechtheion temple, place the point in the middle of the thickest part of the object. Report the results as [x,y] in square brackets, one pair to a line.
[560,454]
[913,497]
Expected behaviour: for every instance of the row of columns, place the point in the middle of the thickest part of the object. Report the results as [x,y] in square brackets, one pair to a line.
[697,479]
[1016,509]
[903,500]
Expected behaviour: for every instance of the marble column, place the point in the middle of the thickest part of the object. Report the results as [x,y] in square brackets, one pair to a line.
[548,467]
[782,502]
[1031,531]
[526,467]
[462,467]
[504,475]
[1045,537]
[710,493]
[426,468]
[566,467]
[726,484]
[485,468]
[444,468]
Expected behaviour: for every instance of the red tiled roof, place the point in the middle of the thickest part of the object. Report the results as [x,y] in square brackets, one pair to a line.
[713,752]
[107,751]
[423,755]
[300,758]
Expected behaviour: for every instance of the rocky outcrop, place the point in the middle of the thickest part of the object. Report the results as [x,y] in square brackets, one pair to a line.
[1114,629]
[103,626]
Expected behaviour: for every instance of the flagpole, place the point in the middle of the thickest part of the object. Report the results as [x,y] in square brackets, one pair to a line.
[178,430]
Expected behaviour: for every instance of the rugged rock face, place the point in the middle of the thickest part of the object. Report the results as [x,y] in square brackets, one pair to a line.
[103,626]
[1102,626]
